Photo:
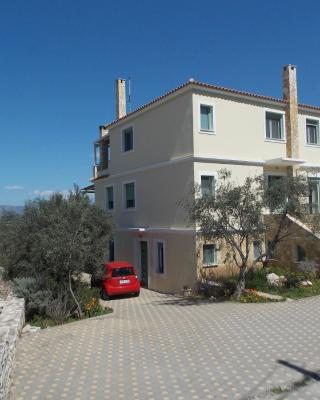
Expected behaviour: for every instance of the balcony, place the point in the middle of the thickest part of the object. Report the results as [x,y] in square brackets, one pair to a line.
[101,157]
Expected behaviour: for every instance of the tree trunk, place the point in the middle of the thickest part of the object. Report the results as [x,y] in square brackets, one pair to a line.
[74,297]
[241,283]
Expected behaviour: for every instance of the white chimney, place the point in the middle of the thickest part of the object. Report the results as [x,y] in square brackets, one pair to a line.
[120,98]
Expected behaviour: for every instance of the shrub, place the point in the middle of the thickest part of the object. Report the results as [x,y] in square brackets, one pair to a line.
[89,299]
[59,308]
[251,296]
[36,299]
[256,279]
[293,280]
[218,288]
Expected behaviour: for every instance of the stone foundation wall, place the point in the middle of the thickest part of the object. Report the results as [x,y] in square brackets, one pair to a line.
[12,319]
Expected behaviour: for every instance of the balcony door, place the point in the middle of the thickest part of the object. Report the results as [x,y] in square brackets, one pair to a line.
[314,195]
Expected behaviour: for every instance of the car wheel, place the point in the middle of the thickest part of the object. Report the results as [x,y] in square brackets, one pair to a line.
[104,295]
[136,294]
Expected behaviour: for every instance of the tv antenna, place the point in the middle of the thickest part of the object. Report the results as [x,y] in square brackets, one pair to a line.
[129,100]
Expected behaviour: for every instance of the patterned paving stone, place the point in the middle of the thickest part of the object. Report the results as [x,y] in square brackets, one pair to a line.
[160,347]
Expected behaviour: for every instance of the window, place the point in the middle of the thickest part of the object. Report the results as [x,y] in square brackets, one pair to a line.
[122,271]
[160,257]
[301,254]
[207,185]
[275,192]
[256,249]
[312,128]
[127,140]
[111,250]
[109,194]
[314,195]
[209,255]
[274,126]
[274,181]
[97,159]
[206,118]
[130,201]
[271,249]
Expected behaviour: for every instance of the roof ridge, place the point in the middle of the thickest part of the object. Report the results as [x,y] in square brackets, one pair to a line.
[193,82]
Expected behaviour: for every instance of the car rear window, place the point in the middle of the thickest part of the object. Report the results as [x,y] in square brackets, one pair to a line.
[122,271]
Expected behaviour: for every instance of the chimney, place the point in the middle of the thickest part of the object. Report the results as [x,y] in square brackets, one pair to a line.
[291,96]
[120,98]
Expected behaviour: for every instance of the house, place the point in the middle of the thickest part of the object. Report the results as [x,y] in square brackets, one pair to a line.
[146,162]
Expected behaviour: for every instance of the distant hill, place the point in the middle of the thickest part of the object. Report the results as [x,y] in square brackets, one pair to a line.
[16,209]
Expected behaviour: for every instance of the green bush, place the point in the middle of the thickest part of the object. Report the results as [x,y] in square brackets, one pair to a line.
[88,299]
[256,279]
[36,299]
[218,288]
[293,280]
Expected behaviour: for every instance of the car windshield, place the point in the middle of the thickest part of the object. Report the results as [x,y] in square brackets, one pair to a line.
[122,271]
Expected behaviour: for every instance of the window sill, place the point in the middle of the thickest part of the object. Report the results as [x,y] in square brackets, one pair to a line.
[160,275]
[312,145]
[127,152]
[130,209]
[282,141]
[209,265]
[203,131]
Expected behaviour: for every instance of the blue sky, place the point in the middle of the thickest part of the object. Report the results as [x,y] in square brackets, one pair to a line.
[59,60]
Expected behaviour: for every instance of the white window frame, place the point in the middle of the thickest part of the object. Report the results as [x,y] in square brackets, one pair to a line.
[207,173]
[122,139]
[305,127]
[124,200]
[155,257]
[217,255]
[283,116]
[106,198]
[208,103]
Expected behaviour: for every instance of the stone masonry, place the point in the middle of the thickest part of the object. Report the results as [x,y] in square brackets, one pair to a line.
[11,323]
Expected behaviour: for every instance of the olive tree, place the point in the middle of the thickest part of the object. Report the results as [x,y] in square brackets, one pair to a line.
[54,241]
[239,214]
[232,218]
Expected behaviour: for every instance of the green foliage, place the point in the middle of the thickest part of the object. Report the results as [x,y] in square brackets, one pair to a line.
[45,322]
[293,280]
[256,279]
[251,296]
[52,243]
[89,299]
[219,288]
[36,298]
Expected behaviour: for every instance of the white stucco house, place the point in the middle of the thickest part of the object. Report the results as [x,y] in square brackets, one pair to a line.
[146,161]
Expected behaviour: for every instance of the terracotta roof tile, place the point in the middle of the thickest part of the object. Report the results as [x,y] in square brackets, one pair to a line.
[206,86]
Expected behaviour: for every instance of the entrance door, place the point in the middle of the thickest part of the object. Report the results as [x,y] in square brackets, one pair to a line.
[144,262]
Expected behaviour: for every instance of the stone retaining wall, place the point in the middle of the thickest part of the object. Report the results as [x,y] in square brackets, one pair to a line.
[11,323]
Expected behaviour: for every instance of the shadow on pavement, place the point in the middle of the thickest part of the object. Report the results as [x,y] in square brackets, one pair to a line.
[184,302]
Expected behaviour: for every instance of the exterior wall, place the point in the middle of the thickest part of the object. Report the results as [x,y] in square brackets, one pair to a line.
[238,172]
[180,258]
[308,153]
[285,255]
[158,192]
[239,130]
[160,134]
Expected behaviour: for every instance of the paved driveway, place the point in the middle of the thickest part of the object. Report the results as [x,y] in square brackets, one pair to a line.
[161,347]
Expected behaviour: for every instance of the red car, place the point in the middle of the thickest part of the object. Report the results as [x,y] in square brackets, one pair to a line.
[120,278]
